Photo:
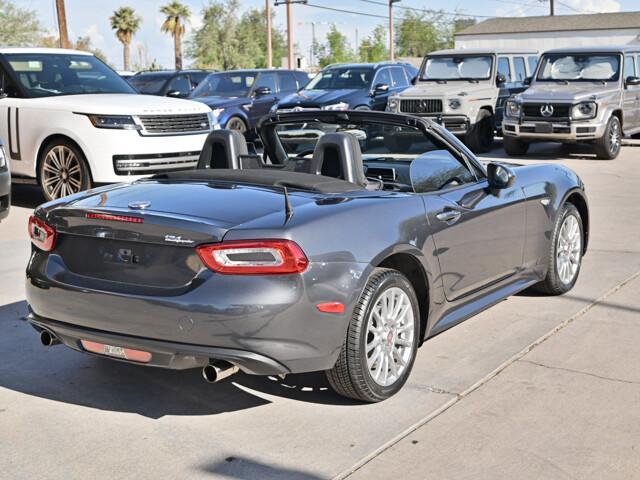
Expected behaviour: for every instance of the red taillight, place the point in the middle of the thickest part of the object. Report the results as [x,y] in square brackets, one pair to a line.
[114,218]
[254,257]
[42,235]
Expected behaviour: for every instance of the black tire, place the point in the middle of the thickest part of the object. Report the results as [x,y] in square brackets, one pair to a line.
[237,123]
[479,138]
[59,178]
[608,146]
[350,377]
[553,284]
[514,147]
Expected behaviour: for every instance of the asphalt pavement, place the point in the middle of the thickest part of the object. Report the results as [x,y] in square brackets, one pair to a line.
[534,388]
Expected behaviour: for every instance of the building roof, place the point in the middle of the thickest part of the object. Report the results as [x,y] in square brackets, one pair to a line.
[596,21]
[483,51]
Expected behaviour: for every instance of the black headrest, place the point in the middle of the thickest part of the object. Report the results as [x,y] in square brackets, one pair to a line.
[338,155]
[222,149]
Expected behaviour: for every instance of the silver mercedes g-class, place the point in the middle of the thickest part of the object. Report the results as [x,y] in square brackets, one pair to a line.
[465,90]
[586,94]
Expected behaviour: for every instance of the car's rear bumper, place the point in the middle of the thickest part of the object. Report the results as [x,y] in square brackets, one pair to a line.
[270,318]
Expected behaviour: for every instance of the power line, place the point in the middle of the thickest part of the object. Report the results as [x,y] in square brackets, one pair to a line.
[386,17]
[428,10]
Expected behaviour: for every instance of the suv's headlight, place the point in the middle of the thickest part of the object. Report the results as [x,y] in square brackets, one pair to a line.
[122,122]
[513,109]
[584,110]
[3,159]
[393,104]
[337,106]
[454,104]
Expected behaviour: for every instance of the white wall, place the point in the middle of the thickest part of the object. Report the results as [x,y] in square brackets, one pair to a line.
[547,40]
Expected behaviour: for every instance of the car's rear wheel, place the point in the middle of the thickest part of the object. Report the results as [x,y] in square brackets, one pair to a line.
[479,138]
[565,255]
[382,340]
[62,170]
[237,124]
[608,147]
[514,147]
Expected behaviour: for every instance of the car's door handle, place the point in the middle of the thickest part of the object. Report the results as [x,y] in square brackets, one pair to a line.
[449,216]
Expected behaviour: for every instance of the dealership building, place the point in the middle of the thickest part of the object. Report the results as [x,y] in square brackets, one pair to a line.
[560,31]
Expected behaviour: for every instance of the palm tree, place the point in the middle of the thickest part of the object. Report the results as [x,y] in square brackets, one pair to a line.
[126,23]
[175,24]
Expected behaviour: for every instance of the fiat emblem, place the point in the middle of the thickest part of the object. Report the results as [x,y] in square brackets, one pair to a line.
[140,205]
[546,110]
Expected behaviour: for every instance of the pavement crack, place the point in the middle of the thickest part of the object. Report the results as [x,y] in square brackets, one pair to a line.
[433,389]
[580,372]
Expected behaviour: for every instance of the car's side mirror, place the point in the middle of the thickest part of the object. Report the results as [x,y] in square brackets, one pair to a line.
[632,81]
[500,176]
[500,79]
[262,92]
[380,88]
[174,93]
[527,81]
[414,80]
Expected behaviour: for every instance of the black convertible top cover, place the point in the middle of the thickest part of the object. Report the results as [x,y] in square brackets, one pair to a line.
[265,177]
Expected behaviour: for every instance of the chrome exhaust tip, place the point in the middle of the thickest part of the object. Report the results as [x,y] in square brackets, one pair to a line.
[214,372]
[48,339]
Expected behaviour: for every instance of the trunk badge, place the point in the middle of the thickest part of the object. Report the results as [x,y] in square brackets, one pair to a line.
[178,239]
[141,205]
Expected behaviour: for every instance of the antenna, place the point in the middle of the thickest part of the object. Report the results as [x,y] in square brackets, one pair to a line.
[288,209]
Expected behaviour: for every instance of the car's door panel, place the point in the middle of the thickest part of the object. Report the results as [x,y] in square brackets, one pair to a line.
[631,94]
[479,235]
[262,104]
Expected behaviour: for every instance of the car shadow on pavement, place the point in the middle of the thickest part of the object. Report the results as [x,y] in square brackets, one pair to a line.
[64,375]
[247,469]
[26,196]
[544,151]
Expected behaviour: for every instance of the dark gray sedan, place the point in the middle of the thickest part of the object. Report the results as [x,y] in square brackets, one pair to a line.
[5,184]
[332,251]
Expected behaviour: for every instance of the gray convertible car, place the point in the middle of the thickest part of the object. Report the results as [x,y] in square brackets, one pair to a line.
[329,252]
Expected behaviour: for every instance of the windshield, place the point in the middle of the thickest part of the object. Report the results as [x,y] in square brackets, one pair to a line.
[457,67]
[150,84]
[342,79]
[230,84]
[586,68]
[46,75]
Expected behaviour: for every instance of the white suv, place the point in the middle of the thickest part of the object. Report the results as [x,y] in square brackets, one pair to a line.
[69,121]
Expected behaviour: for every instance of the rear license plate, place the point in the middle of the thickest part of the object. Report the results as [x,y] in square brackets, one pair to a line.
[116,351]
[543,128]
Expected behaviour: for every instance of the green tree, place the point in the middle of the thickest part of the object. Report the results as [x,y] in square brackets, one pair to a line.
[126,23]
[85,44]
[336,50]
[18,26]
[175,24]
[374,47]
[419,33]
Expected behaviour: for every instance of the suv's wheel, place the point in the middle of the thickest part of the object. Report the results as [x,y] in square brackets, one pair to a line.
[565,254]
[62,169]
[236,123]
[514,147]
[608,146]
[480,136]
[382,339]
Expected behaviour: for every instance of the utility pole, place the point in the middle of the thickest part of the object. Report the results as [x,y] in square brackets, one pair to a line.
[269,45]
[392,46]
[289,4]
[62,25]
[551,8]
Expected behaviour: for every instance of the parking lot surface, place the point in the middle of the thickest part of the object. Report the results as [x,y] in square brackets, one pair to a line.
[534,388]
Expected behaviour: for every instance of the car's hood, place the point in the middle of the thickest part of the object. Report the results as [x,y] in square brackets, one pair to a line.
[222,102]
[442,90]
[118,104]
[316,98]
[554,92]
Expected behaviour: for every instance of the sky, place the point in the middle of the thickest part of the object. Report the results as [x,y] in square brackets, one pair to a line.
[91,18]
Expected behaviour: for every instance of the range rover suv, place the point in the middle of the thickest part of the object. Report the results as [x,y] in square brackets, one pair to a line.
[589,95]
[70,121]
[465,90]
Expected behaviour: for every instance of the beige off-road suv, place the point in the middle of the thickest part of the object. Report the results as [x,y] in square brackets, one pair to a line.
[465,90]
[587,95]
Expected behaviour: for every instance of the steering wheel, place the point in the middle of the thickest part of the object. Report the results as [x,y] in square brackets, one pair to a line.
[458,180]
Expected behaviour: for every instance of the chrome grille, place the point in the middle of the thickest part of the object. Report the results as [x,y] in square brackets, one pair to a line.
[174,124]
[532,111]
[421,106]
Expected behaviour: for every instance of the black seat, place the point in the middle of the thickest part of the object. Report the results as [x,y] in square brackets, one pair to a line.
[338,155]
[222,149]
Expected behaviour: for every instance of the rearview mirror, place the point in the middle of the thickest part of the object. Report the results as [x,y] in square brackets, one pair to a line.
[632,81]
[500,176]
[174,93]
[262,91]
[380,88]
[500,79]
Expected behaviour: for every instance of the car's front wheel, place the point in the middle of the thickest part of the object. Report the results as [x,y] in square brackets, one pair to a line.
[62,170]
[382,340]
[237,124]
[608,147]
[514,147]
[479,138]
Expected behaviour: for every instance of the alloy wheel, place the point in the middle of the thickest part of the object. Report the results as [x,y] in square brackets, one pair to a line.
[390,336]
[62,173]
[236,124]
[569,249]
[614,137]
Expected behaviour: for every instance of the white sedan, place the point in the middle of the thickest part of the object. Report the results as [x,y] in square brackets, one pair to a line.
[69,121]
